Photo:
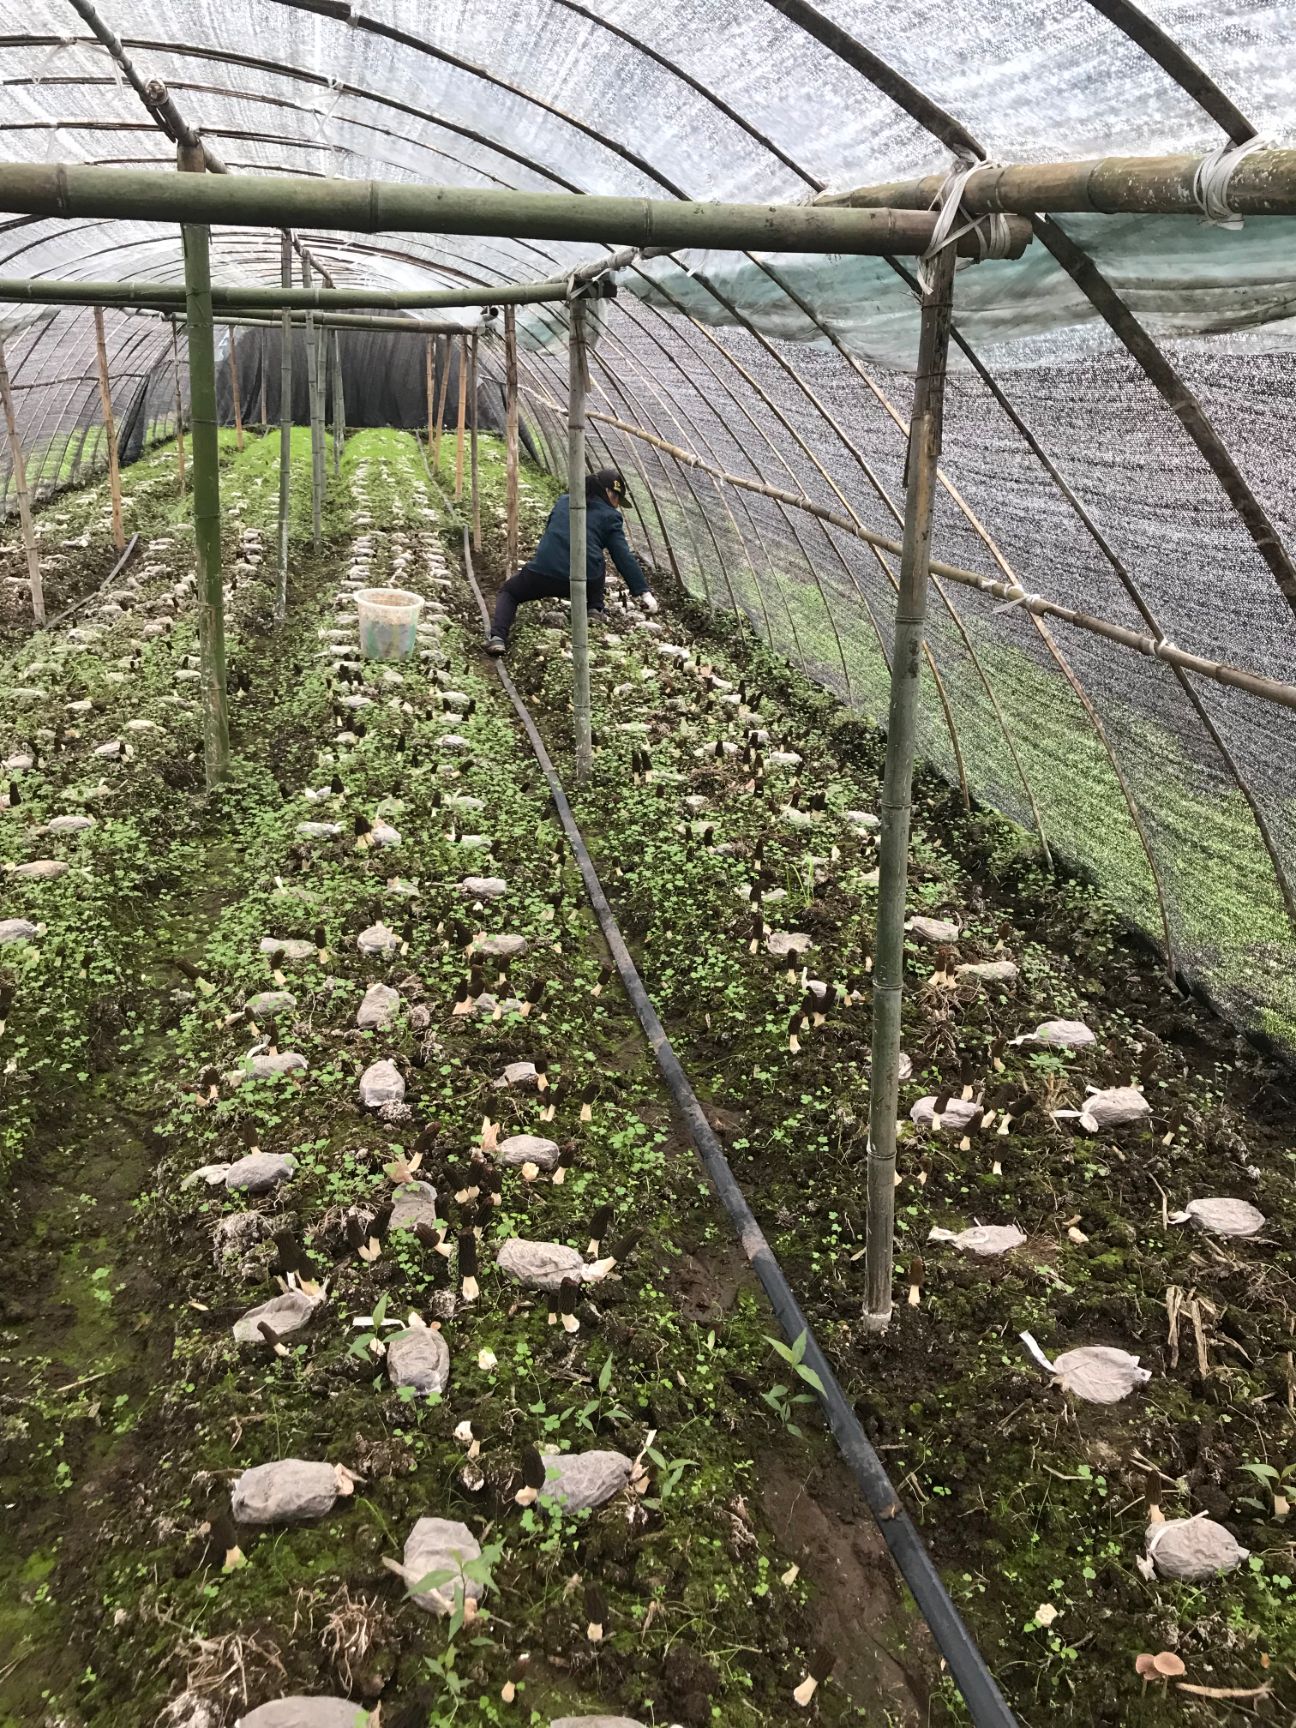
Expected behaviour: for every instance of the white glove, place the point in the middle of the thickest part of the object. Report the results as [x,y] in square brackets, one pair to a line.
[648,600]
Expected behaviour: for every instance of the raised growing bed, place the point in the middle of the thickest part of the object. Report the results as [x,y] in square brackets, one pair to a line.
[728,1566]
[721,771]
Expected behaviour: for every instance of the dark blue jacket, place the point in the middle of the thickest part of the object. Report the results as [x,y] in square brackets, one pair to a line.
[604,532]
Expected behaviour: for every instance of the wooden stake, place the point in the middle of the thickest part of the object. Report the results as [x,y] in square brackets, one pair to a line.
[472,411]
[316,407]
[442,393]
[577,384]
[234,390]
[510,439]
[19,467]
[179,407]
[339,405]
[925,429]
[206,487]
[429,367]
[285,429]
[110,432]
[463,410]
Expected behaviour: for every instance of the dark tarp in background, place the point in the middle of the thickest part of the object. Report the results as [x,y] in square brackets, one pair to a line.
[384,381]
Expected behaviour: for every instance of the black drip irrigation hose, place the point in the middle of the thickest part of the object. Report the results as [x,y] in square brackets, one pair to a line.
[986,1704]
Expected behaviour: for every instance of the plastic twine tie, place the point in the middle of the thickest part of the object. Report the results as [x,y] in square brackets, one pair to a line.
[992,230]
[60,47]
[1022,599]
[1211,182]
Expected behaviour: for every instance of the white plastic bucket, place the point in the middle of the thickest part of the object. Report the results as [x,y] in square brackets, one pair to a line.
[388,622]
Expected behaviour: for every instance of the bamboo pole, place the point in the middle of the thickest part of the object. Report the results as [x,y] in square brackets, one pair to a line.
[250,299]
[19,467]
[577,385]
[234,389]
[110,432]
[316,416]
[376,321]
[429,370]
[339,406]
[206,500]
[897,88]
[1262,184]
[262,355]
[285,433]
[72,189]
[153,94]
[463,411]
[441,406]
[897,787]
[179,406]
[510,440]
[1219,672]
[472,423]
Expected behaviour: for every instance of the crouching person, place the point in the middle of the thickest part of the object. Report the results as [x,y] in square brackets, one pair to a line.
[547,574]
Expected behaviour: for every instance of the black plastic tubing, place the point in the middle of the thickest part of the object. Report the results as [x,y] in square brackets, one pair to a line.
[986,1704]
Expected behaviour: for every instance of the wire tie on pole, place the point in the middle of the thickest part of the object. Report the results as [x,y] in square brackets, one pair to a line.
[1162,648]
[1210,186]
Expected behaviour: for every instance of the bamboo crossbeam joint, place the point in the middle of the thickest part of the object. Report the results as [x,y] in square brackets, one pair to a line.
[1262,184]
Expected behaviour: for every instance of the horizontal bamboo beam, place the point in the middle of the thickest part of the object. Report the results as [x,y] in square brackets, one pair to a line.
[1263,184]
[50,291]
[345,321]
[372,206]
[1254,683]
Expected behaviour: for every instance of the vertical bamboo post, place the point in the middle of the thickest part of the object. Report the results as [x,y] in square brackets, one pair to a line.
[179,407]
[577,384]
[285,428]
[442,393]
[206,489]
[234,388]
[264,347]
[472,411]
[510,439]
[19,467]
[316,415]
[897,786]
[463,410]
[429,345]
[339,405]
[110,431]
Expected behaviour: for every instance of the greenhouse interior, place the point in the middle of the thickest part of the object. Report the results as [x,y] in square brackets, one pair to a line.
[648,825]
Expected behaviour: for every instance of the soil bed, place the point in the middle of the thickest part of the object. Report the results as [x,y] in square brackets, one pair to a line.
[1034,1502]
[136,1041]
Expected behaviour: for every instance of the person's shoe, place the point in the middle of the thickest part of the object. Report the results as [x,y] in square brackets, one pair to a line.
[496,645]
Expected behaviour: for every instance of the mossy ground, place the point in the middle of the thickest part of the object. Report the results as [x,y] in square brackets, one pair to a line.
[1027,1502]
[114,1600]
